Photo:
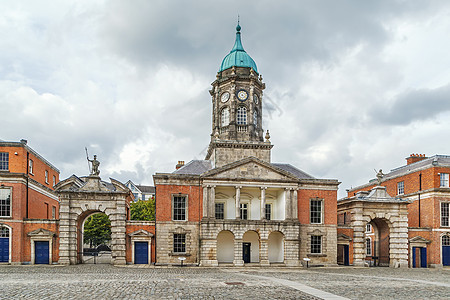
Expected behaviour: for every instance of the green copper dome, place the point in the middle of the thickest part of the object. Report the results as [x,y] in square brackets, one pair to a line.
[237,56]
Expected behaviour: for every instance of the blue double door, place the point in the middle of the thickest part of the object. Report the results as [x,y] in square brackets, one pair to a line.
[419,257]
[4,249]
[41,249]
[141,253]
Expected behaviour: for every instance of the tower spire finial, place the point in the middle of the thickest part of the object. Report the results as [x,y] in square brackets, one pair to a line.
[238,27]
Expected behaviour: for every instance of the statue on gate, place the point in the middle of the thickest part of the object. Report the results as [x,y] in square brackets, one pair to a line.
[95,164]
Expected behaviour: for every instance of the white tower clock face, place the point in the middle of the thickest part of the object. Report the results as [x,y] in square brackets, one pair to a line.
[255,99]
[225,97]
[242,95]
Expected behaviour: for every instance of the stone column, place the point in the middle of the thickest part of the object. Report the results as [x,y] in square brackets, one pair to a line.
[294,205]
[205,201]
[238,202]
[211,202]
[238,259]
[263,203]
[264,252]
[398,242]
[287,193]
[64,233]
[118,232]
[359,227]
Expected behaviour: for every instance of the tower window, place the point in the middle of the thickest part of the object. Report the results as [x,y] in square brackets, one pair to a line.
[225,117]
[242,116]
[255,118]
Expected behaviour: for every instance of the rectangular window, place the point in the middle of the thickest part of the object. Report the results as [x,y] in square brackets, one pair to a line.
[268,215]
[46,176]
[444,179]
[46,209]
[54,180]
[4,161]
[220,211]
[53,212]
[368,228]
[316,211]
[445,214]
[400,188]
[244,211]
[179,243]
[5,202]
[316,244]
[368,247]
[30,166]
[179,208]
[143,197]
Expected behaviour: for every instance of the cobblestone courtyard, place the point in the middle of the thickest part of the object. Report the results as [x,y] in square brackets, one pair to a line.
[107,282]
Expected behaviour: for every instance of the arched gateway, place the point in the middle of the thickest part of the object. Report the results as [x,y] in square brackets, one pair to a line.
[80,198]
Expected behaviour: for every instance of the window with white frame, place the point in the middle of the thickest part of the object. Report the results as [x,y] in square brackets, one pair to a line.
[255,118]
[268,211]
[446,240]
[368,228]
[219,210]
[179,208]
[244,211]
[368,246]
[30,166]
[4,161]
[225,117]
[5,202]
[54,180]
[179,242]
[46,176]
[53,212]
[445,214]
[315,208]
[444,179]
[316,244]
[4,231]
[400,188]
[241,117]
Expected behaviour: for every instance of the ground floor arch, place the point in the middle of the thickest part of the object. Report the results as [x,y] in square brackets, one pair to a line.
[94,238]
[275,245]
[225,247]
[377,242]
[250,247]
[5,243]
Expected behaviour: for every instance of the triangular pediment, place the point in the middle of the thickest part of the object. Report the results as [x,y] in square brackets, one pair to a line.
[419,239]
[343,238]
[250,168]
[141,233]
[41,232]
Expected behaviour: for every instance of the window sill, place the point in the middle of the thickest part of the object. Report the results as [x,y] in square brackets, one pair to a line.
[180,254]
[316,255]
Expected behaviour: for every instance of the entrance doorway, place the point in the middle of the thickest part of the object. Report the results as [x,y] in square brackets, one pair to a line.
[246,252]
[95,239]
[419,257]
[4,244]
[41,252]
[381,247]
[141,253]
[446,250]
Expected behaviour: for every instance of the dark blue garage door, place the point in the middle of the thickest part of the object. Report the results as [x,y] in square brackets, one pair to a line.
[41,249]
[141,252]
[4,249]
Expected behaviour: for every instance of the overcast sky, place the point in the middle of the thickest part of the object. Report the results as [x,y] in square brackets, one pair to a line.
[351,86]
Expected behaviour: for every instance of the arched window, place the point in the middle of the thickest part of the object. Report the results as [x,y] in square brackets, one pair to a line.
[255,118]
[225,117]
[446,240]
[241,116]
[4,231]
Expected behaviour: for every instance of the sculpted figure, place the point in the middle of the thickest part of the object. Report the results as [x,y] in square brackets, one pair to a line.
[380,176]
[95,164]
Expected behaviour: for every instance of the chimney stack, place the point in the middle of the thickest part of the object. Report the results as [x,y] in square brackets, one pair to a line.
[180,164]
[23,141]
[414,158]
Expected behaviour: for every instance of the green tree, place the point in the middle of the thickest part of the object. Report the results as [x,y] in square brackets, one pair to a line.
[97,230]
[143,210]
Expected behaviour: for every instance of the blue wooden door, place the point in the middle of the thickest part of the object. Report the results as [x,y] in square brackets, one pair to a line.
[346,255]
[423,257]
[41,252]
[446,255]
[414,257]
[141,252]
[4,249]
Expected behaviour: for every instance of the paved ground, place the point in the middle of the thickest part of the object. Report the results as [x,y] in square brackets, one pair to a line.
[107,282]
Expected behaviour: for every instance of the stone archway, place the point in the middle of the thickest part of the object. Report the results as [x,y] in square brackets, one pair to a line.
[275,245]
[225,247]
[79,198]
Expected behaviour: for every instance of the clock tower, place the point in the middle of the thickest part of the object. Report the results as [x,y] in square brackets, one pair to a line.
[237,97]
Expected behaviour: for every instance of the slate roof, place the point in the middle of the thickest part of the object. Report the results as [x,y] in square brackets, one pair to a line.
[194,167]
[146,188]
[293,170]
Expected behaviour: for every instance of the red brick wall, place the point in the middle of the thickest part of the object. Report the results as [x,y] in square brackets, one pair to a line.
[164,201]
[329,200]
[132,228]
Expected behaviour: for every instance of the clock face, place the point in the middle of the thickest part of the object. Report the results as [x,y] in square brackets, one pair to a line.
[255,99]
[225,97]
[242,95]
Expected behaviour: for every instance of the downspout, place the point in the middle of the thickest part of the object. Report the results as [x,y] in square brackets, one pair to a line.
[200,215]
[420,189]
[27,176]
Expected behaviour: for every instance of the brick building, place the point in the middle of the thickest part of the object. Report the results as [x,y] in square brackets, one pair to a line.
[29,206]
[424,183]
[237,207]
